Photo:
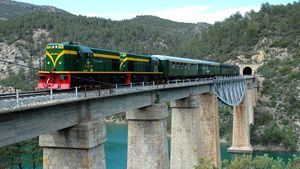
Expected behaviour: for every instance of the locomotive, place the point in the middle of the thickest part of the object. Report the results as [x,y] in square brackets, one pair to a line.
[67,65]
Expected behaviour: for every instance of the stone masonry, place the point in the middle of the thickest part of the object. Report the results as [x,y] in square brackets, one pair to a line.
[185,145]
[209,129]
[241,128]
[79,147]
[147,138]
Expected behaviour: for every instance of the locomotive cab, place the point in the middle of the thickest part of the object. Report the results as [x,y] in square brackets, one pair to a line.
[57,60]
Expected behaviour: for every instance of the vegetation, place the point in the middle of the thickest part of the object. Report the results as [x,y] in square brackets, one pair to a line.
[26,152]
[17,80]
[205,163]
[272,133]
[10,9]
[225,122]
[131,36]
[247,162]
[239,34]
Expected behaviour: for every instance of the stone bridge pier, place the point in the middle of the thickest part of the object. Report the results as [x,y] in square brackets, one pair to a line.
[243,116]
[195,131]
[147,138]
[78,147]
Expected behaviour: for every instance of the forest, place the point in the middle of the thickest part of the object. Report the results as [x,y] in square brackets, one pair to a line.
[273,28]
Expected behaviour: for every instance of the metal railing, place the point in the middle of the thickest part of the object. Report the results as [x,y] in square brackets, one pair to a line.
[22,99]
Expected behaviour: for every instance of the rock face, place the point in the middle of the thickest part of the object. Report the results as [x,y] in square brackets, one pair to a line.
[14,56]
[6,89]
[10,56]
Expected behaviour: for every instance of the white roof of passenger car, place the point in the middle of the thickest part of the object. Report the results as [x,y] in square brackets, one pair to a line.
[184,60]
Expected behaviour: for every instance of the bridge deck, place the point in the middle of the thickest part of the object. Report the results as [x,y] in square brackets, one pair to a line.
[46,116]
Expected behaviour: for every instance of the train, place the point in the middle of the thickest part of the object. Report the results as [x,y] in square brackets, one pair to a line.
[69,64]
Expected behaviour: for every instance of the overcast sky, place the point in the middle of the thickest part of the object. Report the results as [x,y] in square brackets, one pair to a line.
[192,11]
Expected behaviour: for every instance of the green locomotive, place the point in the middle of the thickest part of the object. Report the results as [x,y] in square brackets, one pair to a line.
[67,65]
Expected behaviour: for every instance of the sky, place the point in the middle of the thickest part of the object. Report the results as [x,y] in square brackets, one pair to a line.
[191,11]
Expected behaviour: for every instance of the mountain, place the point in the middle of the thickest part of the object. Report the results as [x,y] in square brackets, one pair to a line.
[269,39]
[168,25]
[10,9]
[23,38]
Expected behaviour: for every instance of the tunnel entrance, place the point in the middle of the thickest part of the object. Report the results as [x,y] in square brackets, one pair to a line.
[247,71]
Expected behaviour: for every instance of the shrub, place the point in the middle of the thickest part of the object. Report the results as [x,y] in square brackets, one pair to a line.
[205,163]
[294,164]
[266,162]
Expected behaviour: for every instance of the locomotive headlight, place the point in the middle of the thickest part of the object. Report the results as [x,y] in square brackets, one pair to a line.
[48,63]
[62,77]
[59,62]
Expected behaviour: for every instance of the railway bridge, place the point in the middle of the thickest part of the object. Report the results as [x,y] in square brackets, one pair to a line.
[71,129]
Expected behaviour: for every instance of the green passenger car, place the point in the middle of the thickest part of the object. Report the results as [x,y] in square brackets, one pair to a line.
[226,69]
[208,68]
[177,67]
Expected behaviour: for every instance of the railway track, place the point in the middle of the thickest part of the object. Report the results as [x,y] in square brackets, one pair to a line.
[23,94]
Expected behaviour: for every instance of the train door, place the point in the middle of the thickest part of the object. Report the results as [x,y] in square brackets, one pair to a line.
[155,64]
[89,61]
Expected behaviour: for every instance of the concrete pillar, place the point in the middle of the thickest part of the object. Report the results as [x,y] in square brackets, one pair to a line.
[78,147]
[185,145]
[209,129]
[250,95]
[147,138]
[241,129]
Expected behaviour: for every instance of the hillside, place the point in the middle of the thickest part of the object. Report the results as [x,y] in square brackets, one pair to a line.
[10,9]
[273,34]
[23,38]
[270,38]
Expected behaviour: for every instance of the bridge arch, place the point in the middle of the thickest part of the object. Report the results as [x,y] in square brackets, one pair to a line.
[247,70]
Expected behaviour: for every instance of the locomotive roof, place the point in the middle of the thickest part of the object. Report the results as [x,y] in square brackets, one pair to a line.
[85,49]
[99,50]
[137,55]
[184,60]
